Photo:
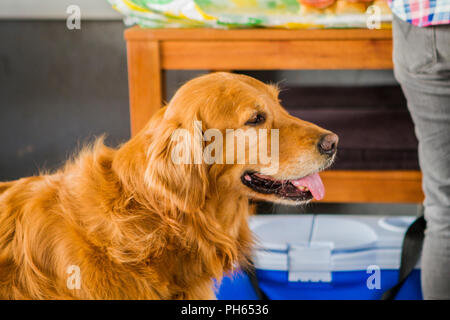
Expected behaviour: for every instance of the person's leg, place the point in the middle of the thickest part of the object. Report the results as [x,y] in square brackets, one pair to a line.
[422,66]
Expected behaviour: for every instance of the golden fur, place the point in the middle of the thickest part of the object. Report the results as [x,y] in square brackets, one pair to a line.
[137,225]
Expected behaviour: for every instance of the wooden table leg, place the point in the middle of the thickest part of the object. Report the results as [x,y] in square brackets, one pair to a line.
[145,82]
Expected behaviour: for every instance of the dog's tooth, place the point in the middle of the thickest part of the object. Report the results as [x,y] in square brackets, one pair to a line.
[302,188]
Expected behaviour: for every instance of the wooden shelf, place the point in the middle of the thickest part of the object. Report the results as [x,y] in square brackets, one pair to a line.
[205,34]
[267,49]
[373,186]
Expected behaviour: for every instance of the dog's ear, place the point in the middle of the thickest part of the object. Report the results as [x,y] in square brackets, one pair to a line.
[175,167]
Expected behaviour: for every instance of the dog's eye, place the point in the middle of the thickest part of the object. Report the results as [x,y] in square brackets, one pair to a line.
[256,119]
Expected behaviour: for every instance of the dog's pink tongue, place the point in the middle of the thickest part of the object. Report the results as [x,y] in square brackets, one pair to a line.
[313,183]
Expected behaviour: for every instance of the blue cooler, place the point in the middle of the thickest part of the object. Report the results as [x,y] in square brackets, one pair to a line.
[318,257]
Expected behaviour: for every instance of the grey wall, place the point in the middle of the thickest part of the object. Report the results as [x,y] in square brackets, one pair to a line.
[56,9]
[59,89]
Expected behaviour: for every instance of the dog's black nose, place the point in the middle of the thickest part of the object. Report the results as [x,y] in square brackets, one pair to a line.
[328,144]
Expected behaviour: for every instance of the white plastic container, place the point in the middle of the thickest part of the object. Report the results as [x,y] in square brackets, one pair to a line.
[327,257]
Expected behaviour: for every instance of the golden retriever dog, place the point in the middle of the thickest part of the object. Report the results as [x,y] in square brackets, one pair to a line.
[130,223]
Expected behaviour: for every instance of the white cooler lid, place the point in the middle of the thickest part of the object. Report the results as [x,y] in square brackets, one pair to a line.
[310,247]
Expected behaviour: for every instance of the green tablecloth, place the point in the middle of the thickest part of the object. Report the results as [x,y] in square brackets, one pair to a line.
[227,14]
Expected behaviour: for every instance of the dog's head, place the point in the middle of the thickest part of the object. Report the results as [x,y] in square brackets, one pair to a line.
[226,132]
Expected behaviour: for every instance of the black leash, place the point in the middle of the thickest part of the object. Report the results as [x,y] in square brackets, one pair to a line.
[411,252]
[251,273]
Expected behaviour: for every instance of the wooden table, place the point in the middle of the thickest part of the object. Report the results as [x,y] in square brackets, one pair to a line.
[150,51]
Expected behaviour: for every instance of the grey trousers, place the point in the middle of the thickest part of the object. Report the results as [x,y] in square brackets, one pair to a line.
[422,66]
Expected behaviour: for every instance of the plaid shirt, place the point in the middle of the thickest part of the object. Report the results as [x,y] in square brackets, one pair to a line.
[422,13]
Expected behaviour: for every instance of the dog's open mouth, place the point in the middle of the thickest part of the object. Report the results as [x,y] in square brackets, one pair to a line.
[301,189]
